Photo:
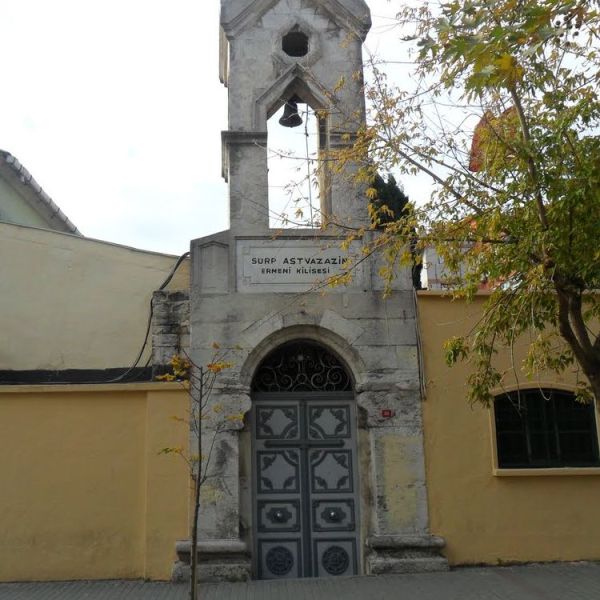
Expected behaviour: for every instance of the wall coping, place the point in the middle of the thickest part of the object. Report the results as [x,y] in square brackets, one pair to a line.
[448,293]
[150,386]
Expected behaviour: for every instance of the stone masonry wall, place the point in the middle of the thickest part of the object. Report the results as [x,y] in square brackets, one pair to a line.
[170,327]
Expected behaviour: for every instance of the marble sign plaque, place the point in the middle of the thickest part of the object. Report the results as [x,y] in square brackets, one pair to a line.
[291,265]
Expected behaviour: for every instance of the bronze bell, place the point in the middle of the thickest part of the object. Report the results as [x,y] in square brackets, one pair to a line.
[290,117]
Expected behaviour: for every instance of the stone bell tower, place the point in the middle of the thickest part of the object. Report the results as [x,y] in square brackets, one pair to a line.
[325,473]
[272,52]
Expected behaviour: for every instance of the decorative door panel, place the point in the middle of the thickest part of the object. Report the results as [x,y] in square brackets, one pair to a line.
[333,515]
[334,557]
[330,471]
[327,421]
[278,471]
[279,559]
[275,516]
[305,485]
[276,422]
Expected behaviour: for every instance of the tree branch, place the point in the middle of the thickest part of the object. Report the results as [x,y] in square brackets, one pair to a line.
[531,165]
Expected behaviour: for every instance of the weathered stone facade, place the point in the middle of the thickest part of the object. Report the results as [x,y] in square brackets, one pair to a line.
[170,328]
[240,304]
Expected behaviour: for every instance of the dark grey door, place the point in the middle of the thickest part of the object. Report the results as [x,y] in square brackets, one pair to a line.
[305,485]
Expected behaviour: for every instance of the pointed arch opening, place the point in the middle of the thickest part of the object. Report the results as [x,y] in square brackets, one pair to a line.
[296,169]
[297,121]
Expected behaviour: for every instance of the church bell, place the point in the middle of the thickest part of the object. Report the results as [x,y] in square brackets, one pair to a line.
[290,117]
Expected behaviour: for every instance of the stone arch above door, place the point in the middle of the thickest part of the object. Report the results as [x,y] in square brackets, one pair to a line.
[302,366]
[331,342]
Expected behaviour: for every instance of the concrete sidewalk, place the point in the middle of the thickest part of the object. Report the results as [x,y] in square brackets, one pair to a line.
[571,581]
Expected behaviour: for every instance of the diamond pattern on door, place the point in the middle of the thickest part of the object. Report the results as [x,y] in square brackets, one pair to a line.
[278,471]
[277,422]
[331,470]
[329,422]
[305,485]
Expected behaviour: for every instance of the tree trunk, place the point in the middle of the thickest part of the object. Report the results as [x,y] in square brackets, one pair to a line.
[198,482]
[573,329]
[595,385]
[194,541]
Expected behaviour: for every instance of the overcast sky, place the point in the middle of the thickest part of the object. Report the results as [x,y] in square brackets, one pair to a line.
[116,109]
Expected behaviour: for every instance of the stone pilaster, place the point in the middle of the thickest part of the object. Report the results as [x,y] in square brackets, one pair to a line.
[222,555]
[399,540]
[170,327]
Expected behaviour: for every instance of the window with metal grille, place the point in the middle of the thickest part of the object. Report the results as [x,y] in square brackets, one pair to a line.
[545,428]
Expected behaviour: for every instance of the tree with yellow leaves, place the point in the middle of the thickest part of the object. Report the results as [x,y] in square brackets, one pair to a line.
[199,381]
[502,112]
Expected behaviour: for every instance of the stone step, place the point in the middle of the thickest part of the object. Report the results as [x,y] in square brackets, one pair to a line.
[218,560]
[406,554]
[229,560]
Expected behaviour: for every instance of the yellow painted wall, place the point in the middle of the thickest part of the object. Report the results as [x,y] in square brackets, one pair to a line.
[84,493]
[485,517]
[68,302]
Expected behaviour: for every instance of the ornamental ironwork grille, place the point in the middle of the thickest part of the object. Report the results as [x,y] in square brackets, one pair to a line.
[545,428]
[301,367]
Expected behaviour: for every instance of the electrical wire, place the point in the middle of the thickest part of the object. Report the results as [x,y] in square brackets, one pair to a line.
[149,323]
[146,336]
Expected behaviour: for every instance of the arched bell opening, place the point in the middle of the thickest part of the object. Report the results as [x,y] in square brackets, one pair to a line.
[298,180]
[304,465]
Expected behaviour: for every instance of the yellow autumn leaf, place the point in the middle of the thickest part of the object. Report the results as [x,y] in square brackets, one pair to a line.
[340,84]
[218,366]
[235,418]
[165,377]
[508,66]
[371,193]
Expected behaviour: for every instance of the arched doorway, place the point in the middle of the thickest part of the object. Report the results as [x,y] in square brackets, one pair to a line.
[305,484]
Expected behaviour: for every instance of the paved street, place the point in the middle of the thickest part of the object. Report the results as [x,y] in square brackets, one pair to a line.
[580,581]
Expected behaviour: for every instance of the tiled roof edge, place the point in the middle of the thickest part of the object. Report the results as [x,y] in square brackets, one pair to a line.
[26,178]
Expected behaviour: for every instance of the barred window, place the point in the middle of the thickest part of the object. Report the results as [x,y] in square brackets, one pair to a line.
[545,428]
